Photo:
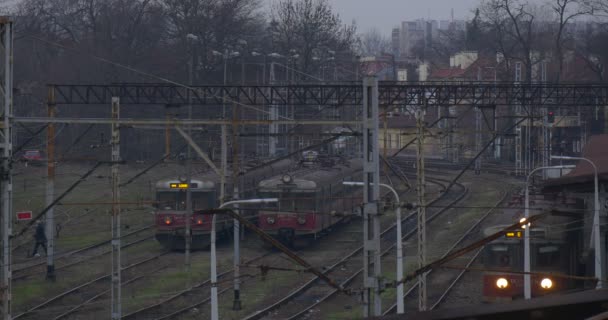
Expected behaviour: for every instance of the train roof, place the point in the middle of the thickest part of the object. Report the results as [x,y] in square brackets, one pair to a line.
[310,178]
[209,179]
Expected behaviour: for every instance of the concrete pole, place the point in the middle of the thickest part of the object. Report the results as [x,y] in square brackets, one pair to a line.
[50,189]
[371,219]
[6,176]
[116,264]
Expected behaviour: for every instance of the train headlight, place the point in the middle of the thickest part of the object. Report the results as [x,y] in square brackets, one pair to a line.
[301,220]
[168,220]
[523,223]
[502,283]
[199,221]
[270,220]
[546,283]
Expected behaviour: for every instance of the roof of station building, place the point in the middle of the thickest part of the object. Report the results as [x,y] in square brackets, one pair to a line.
[595,150]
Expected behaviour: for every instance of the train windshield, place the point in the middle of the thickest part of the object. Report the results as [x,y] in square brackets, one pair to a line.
[293,201]
[548,256]
[177,200]
[499,255]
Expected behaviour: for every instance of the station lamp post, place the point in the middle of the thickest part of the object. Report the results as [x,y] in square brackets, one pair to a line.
[214,300]
[595,231]
[527,284]
[400,294]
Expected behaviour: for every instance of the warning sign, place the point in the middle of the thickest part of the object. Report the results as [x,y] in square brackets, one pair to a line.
[24,215]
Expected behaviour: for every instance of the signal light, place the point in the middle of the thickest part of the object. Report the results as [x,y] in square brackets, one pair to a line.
[550,117]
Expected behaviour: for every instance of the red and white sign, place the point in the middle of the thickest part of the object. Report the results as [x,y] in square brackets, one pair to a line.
[24,215]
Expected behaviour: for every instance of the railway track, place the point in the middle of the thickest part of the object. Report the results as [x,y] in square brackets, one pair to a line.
[75,257]
[54,308]
[190,297]
[307,296]
[436,294]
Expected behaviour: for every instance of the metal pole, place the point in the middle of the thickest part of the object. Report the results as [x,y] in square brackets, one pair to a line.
[421,207]
[527,282]
[274,111]
[223,164]
[6,174]
[213,264]
[50,188]
[236,305]
[596,230]
[478,112]
[116,265]
[527,285]
[371,219]
[188,231]
[400,292]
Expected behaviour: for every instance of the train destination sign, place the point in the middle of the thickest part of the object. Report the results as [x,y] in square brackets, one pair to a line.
[24,215]
[178,186]
[513,234]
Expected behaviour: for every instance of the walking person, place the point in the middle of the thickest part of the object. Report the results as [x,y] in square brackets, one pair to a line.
[40,238]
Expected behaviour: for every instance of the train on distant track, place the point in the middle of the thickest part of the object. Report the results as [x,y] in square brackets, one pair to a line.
[312,200]
[170,212]
[554,241]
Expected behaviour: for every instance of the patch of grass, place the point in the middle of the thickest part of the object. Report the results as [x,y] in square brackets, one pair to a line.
[164,283]
[354,313]
[25,292]
[69,241]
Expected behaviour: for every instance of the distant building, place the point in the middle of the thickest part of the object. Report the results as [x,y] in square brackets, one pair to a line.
[395,41]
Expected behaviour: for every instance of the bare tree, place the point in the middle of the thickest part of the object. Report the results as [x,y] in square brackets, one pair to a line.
[373,43]
[309,26]
[514,28]
[566,11]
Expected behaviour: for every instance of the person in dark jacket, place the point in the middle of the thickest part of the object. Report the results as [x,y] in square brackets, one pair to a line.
[40,238]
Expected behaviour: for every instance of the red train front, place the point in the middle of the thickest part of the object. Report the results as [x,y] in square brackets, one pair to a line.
[170,215]
[311,200]
[503,258]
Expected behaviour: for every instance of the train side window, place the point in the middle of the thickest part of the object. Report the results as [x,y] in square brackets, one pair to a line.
[548,256]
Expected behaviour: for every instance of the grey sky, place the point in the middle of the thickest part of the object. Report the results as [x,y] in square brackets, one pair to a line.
[386,14]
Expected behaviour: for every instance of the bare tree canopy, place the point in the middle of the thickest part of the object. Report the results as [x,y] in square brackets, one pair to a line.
[373,43]
[310,28]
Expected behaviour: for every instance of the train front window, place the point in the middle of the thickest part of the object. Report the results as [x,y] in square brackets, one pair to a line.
[548,256]
[292,201]
[499,255]
[177,200]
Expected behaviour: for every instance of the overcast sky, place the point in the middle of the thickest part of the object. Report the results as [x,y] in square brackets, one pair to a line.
[387,14]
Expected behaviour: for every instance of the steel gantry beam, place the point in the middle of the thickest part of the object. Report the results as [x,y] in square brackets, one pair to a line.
[349,93]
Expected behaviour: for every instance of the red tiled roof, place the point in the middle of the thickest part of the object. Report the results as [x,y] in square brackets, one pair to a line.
[486,64]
